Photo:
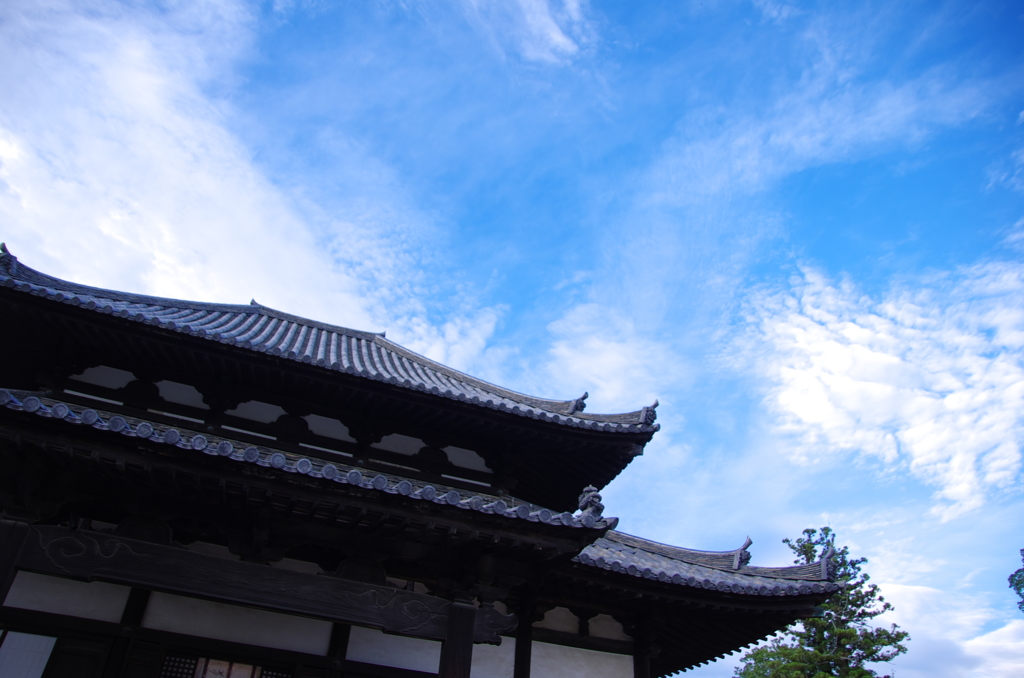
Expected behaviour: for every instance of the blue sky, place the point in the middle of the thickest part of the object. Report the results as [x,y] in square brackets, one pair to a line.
[799,226]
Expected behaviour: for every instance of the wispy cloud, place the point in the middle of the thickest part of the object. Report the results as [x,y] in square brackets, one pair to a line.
[928,378]
[537,30]
[948,636]
[823,120]
[844,94]
[599,350]
[1010,172]
[119,168]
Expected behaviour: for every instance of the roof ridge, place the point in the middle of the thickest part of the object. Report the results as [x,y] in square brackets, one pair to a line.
[609,554]
[318,324]
[730,561]
[475,381]
[722,560]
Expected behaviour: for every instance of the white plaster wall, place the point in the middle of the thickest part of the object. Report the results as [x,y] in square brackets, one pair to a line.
[466,459]
[400,444]
[376,647]
[494,661]
[559,619]
[558,661]
[254,410]
[89,600]
[177,614]
[328,428]
[605,626]
[24,655]
[107,377]
[182,394]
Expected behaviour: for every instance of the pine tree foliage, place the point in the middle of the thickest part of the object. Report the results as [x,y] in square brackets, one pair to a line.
[840,643]
[1017,583]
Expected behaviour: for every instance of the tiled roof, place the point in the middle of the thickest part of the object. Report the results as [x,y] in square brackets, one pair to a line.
[287,462]
[716,571]
[363,354]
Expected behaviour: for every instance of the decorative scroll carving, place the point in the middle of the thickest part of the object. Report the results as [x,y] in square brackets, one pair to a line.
[490,621]
[92,556]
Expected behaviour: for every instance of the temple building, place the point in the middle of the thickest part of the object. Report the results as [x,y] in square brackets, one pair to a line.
[197,490]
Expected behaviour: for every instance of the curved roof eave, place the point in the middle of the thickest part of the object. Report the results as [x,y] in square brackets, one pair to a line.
[720,570]
[363,354]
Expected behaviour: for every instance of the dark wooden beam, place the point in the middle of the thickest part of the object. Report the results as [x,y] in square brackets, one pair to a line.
[93,556]
[12,536]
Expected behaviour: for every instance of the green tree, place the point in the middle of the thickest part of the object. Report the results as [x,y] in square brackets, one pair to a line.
[1017,583]
[842,641]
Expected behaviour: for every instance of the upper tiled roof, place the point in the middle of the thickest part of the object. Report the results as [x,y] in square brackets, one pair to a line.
[720,571]
[363,354]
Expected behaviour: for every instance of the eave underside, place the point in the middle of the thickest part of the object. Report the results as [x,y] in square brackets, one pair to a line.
[684,626]
[262,513]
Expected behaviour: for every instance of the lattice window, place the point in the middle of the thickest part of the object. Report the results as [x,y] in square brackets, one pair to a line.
[178,667]
[275,673]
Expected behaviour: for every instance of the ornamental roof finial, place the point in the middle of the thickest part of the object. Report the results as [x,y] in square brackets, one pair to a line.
[590,502]
[579,405]
[8,262]
[648,414]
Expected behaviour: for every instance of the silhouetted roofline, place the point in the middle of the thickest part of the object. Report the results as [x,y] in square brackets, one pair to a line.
[363,354]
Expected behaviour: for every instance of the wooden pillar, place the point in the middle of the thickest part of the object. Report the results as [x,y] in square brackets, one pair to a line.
[12,536]
[131,619]
[338,649]
[339,640]
[641,662]
[524,648]
[457,649]
[642,649]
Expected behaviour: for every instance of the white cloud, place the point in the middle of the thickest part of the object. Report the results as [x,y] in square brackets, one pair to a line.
[1009,173]
[461,342]
[599,350]
[948,638]
[821,121]
[539,30]
[776,12]
[846,101]
[928,379]
[119,168]
[1000,652]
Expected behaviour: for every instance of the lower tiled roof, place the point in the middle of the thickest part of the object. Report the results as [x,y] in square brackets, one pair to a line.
[638,557]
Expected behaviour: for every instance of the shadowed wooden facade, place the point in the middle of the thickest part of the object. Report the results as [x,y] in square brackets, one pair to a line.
[194,489]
